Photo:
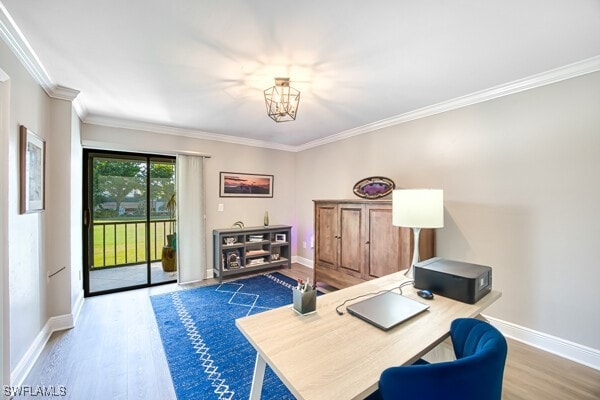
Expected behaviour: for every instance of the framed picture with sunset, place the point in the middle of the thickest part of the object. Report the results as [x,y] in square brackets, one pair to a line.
[236,184]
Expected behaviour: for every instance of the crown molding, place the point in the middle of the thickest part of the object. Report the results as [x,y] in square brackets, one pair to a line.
[16,41]
[80,108]
[19,45]
[545,78]
[192,133]
[63,93]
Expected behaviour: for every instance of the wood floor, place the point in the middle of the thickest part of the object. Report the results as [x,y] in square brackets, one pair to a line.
[115,352]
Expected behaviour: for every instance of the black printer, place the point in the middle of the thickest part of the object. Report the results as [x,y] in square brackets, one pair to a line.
[454,279]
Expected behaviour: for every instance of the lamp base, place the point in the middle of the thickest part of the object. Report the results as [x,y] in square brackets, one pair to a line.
[410,273]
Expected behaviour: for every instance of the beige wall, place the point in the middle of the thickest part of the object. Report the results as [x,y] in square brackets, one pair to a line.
[38,243]
[225,157]
[522,194]
[76,211]
[519,174]
[4,299]
[58,229]
[29,106]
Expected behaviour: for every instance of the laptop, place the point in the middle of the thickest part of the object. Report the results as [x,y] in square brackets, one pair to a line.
[386,310]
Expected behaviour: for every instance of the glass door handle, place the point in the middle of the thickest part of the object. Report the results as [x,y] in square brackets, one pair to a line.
[86,217]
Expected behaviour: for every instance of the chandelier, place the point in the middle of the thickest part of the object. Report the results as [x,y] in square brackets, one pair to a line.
[282,101]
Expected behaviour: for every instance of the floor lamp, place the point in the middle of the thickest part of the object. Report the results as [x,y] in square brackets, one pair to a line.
[416,209]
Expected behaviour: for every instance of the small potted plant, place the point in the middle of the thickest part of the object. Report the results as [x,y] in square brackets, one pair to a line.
[169,251]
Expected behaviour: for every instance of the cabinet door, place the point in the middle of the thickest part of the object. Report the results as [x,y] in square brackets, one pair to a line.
[351,238]
[383,242]
[326,228]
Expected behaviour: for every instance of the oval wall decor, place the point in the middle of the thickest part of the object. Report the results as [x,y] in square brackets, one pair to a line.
[374,187]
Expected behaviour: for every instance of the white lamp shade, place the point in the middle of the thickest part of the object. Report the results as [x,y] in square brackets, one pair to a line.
[418,208]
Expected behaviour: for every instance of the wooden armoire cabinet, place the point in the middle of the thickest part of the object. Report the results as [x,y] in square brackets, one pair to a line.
[356,241]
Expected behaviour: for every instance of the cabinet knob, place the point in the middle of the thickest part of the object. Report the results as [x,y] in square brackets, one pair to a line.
[367,242]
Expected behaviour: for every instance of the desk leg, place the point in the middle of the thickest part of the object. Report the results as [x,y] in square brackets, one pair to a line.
[257,378]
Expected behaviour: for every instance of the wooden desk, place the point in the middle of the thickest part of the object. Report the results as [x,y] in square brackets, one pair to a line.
[327,356]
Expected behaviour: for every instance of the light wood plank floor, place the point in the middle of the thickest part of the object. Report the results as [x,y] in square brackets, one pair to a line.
[115,352]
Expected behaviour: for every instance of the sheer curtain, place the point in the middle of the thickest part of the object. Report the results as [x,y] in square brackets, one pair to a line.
[191,235]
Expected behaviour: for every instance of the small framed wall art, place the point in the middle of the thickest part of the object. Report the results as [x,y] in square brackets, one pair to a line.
[32,160]
[236,184]
[374,187]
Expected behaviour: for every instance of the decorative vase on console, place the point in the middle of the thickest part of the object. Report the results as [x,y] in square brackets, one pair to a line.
[169,259]
[266,219]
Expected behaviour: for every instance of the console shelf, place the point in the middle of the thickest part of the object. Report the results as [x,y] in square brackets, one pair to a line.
[239,251]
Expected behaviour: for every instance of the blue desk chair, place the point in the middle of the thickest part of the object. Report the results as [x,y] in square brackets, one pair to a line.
[476,373]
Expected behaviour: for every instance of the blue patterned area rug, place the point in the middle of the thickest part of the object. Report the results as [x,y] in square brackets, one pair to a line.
[208,356]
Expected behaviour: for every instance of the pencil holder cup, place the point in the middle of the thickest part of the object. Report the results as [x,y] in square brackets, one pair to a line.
[304,302]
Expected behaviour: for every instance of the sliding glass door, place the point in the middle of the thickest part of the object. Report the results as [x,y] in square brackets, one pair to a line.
[129,221]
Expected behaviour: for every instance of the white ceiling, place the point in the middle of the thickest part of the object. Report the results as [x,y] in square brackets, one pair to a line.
[202,65]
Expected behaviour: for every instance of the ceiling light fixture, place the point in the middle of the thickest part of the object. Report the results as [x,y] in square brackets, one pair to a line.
[282,101]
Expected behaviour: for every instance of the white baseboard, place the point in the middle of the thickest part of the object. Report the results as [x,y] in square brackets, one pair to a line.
[572,351]
[18,374]
[54,324]
[561,347]
[303,261]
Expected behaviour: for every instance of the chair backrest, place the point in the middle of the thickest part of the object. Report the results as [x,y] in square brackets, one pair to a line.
[476,373]
[471,336]
[482,347]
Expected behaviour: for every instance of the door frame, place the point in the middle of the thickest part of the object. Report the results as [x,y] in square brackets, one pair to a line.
[87,238]
[4,217]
